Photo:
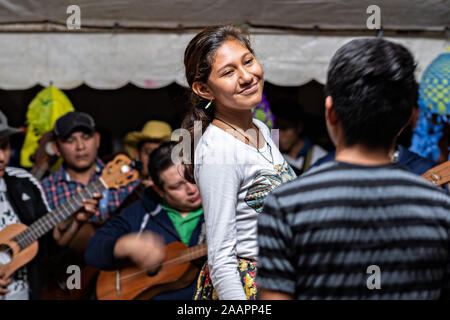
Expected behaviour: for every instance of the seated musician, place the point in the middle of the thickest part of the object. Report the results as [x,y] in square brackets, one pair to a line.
[22,201]
[177,217]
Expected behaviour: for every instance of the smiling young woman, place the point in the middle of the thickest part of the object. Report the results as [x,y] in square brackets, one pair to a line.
[235,163]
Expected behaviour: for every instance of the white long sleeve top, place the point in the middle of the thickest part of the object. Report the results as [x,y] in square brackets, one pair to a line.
[234,179]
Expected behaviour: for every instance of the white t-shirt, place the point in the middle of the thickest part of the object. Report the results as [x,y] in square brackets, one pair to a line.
[234,179]
[18,288]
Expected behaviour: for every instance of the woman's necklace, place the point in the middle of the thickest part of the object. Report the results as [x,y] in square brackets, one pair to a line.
[248,140]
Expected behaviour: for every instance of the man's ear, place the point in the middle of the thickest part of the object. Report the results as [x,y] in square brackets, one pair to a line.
[202,90]
[330,112]
[158,190]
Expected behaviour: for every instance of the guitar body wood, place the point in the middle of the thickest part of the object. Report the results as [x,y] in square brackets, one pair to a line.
[136,284]
[19,257]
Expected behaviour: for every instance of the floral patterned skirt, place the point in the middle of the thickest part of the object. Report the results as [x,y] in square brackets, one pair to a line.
[247,271]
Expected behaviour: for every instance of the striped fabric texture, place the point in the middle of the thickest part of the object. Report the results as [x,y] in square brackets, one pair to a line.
[323,235]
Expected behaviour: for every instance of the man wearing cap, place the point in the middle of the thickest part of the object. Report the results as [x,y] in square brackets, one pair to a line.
[22,201]
[77,142]
[139,144]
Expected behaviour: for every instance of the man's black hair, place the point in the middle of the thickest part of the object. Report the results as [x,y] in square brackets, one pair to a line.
[372,84]
[160,160]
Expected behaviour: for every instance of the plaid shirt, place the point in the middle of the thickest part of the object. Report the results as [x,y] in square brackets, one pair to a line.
[59,187]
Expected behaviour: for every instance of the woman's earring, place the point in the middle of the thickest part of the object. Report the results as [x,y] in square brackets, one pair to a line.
[209,103]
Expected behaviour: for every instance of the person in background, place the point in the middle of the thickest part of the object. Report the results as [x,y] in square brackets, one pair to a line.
[296,147]
[131,234]
[139,144]
[22,200]
[77,142]
[361,226]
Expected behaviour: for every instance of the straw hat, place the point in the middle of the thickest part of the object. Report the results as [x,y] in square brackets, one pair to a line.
[152,130]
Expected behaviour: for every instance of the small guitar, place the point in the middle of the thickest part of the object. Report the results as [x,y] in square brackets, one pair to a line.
[175,272]
[438,175]
[18,243]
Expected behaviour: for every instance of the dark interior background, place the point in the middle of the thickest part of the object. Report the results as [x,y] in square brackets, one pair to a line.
[126,109]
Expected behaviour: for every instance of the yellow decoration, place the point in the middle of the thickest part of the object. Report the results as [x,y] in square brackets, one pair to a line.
[48,105]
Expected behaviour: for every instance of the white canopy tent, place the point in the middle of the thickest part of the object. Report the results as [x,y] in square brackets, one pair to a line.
[142,42]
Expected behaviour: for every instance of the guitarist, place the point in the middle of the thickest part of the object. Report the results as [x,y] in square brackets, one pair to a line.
[178,216]
[77,142]
[22,200]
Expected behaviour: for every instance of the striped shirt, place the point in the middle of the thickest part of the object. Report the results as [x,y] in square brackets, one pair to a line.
[344,231]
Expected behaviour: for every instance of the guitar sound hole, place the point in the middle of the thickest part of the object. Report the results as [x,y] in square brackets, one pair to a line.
[153,272]
[5,254]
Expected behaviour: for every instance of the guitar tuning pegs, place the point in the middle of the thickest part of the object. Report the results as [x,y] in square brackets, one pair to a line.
[136,164]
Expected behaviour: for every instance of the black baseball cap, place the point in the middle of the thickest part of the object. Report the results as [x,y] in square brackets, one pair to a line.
[71,121]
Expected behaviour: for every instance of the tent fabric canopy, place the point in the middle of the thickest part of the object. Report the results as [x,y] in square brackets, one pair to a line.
[154,58]
[151,60]
[303,14]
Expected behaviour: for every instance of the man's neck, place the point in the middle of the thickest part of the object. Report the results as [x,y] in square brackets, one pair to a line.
[182,212]
[363,155]
[82,177]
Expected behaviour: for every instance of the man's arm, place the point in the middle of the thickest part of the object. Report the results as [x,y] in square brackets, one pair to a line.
[146,249]
[68,231]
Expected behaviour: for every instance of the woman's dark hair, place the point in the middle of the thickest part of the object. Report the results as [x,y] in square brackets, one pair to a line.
[198,59]
[160,160]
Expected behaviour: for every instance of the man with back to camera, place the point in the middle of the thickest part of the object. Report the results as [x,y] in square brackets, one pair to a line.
[359,227]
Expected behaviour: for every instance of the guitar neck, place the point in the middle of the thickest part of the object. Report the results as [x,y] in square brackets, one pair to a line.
[38,171]
[193,253]
[61,213]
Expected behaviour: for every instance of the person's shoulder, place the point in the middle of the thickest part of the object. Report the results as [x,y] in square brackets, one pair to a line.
[21,174]
[415,180]
[413,161]
[27,178]
[262,126]
[211,138]
[53,177]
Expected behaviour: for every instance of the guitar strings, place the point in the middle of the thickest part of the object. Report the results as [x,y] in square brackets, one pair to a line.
[179,258]
[65,205]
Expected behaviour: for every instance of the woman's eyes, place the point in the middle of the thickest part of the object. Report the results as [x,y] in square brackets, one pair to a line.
[229,72]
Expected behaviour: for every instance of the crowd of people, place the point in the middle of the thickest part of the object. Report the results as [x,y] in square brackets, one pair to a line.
[280,220]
